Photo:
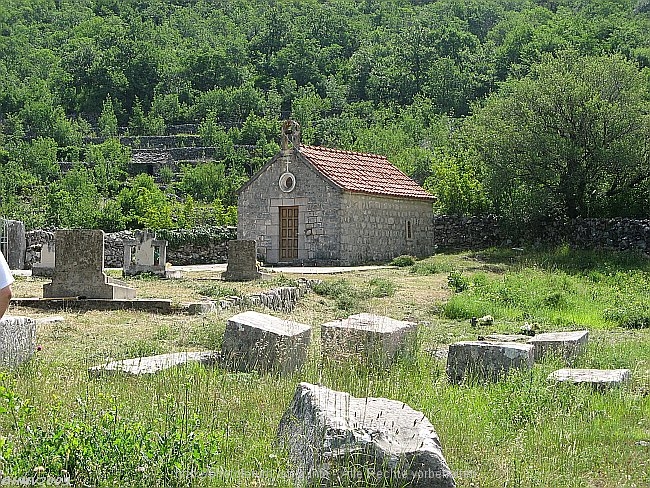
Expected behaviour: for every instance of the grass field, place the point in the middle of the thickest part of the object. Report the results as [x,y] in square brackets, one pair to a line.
[196,426]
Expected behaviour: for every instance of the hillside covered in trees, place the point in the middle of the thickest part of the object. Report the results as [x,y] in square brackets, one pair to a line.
[528,109]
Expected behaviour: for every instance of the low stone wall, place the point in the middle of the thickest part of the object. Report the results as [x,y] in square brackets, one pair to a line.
[457,232]
[209,253]
[454,232]
[618,234]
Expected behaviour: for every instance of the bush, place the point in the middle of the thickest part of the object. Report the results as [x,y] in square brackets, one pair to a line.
[346,296]
[403,261]
[427,268]
[381,288]
[633,316]
[218,291]
[457,281]
[197,235]
[460,308]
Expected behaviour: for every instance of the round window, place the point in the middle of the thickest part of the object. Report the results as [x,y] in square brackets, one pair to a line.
[287,182]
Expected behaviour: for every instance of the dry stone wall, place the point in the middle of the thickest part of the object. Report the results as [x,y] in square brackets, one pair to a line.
[458,232]
[454,232]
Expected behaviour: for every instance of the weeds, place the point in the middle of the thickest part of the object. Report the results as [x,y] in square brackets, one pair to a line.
[403,261]
[350,297]
[458,282]
[218,291]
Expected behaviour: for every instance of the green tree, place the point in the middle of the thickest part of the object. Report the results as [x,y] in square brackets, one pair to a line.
[74,201]
[565,139]
[144,205]
[107,120]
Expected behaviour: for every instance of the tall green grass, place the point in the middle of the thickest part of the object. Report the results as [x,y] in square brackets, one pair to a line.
[197,426]
[556,298]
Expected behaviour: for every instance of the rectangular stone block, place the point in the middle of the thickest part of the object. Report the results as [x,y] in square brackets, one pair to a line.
[255,341]
[504,338]
[597,378]
[46,265]
[487,360]
[368,337]
[152,364]
[242,261]
[144,254]
[17,340]
[16,244]
[563,344]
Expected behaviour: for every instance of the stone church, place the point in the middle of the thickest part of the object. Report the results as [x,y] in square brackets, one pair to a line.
[314,205]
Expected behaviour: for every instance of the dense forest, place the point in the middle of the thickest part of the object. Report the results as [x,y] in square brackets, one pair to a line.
[527,109]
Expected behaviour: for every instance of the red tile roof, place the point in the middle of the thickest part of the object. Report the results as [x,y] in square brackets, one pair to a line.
[363,173]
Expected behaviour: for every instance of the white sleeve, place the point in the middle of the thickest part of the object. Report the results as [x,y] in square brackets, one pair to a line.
[6,278]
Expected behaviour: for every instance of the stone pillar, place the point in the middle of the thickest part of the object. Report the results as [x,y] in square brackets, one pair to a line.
[242,261]
[17,340]
[16,244]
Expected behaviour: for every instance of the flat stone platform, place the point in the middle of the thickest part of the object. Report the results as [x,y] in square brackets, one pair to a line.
[597,378]
[152,364]
[75,303]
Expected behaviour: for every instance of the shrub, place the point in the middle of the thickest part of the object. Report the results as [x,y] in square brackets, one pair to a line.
[457,281]
[403,261]
[217,291]
[381,288]
[633,316]
[460,308]
[346,296]
[426,268]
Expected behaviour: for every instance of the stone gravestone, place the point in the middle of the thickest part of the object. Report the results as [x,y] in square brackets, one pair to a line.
[333,438]
[144,254]
[16,244]
[79,268]
[368,337]
[242,261]
[17,340]
[46,265]
[487,360]
[567,345]
[255,341]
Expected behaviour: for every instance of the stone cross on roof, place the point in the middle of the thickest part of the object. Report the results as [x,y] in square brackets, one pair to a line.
[290,133]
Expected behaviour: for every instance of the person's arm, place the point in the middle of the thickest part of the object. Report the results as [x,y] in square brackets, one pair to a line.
[5,298]
[6,279]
